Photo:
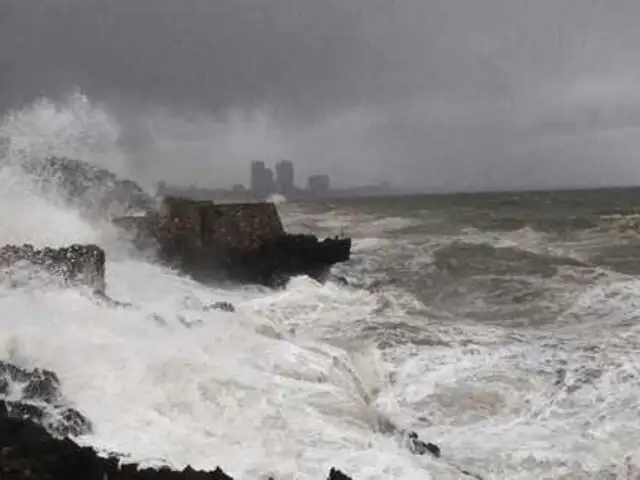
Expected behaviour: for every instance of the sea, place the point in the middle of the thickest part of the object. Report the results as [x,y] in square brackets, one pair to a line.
[503,327]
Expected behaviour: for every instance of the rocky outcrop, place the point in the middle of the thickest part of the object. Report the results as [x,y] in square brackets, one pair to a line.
[95,191]
[235,242]
[28,451]
[35,394]
[76,264]
[34,437]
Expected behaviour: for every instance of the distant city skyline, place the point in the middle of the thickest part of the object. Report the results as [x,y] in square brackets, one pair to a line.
[263,182]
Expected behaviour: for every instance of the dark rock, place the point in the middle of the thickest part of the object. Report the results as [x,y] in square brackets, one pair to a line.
[43,385]
[75,265]
[335,474]
[243,243]
[28,451]
[40,400]
[413,442]
[418,447]
[222,306]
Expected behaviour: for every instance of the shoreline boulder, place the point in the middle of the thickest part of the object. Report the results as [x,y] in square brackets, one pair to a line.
[74,265]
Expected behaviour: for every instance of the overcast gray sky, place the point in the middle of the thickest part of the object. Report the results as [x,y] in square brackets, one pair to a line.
[425,93]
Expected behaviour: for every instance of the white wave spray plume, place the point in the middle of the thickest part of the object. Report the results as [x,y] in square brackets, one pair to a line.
[166,382]
[293,383]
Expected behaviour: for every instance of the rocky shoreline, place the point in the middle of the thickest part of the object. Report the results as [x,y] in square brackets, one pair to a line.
[35,443]
[242,243]
[29,452]
[37,423]
[245,241]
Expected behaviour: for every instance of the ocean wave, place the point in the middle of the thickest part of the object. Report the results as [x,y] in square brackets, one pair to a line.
[514,350]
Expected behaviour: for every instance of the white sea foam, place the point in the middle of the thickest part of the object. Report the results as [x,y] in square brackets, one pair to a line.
[166,382]
[291,382]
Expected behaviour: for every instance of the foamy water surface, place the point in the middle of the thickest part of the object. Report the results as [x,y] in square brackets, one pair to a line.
[291,383]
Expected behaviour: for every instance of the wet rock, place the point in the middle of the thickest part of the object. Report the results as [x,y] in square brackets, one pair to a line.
[243,243]
[106,300]
[222,306]
[42,385]
[413,442]
[418,447]
[35,394]
[74,265]
[335,474]
[28,451]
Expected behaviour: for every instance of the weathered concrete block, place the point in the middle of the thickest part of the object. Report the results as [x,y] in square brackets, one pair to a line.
[76,264]
[238,242]
[243,226]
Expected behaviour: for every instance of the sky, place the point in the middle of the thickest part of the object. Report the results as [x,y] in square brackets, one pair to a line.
[437,94]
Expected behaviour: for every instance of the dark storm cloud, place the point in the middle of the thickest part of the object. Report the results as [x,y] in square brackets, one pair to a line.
[440,93]
[208,54]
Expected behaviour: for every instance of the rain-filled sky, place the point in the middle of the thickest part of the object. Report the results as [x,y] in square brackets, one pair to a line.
[435,94]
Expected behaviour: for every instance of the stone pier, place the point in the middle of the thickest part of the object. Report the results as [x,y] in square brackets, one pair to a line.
[237,242]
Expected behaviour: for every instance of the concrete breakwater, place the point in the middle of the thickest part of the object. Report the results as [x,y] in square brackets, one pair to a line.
[235,242]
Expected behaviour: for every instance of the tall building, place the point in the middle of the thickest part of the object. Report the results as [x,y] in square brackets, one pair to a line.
[256,176]
[268,183]
[285,177]
[261,180]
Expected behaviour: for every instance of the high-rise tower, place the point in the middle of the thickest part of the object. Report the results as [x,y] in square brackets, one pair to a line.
[285,177]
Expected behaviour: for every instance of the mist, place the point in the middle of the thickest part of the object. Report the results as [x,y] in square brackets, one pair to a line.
[445,94]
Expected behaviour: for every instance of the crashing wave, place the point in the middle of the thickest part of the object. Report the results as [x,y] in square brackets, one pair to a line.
[277,198]
[93,190]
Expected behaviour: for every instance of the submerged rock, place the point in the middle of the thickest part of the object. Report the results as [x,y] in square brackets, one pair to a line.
[76,264]
[243,243]
[35,394]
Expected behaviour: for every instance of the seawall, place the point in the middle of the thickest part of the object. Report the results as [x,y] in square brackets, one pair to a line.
[243,242]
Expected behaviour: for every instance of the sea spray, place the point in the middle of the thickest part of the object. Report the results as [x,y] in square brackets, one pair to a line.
[259,390]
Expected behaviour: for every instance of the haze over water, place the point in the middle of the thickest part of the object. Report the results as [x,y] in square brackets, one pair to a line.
[502,327]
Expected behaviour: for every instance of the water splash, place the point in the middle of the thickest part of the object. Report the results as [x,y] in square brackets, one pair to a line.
[74,127]
[290,384]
